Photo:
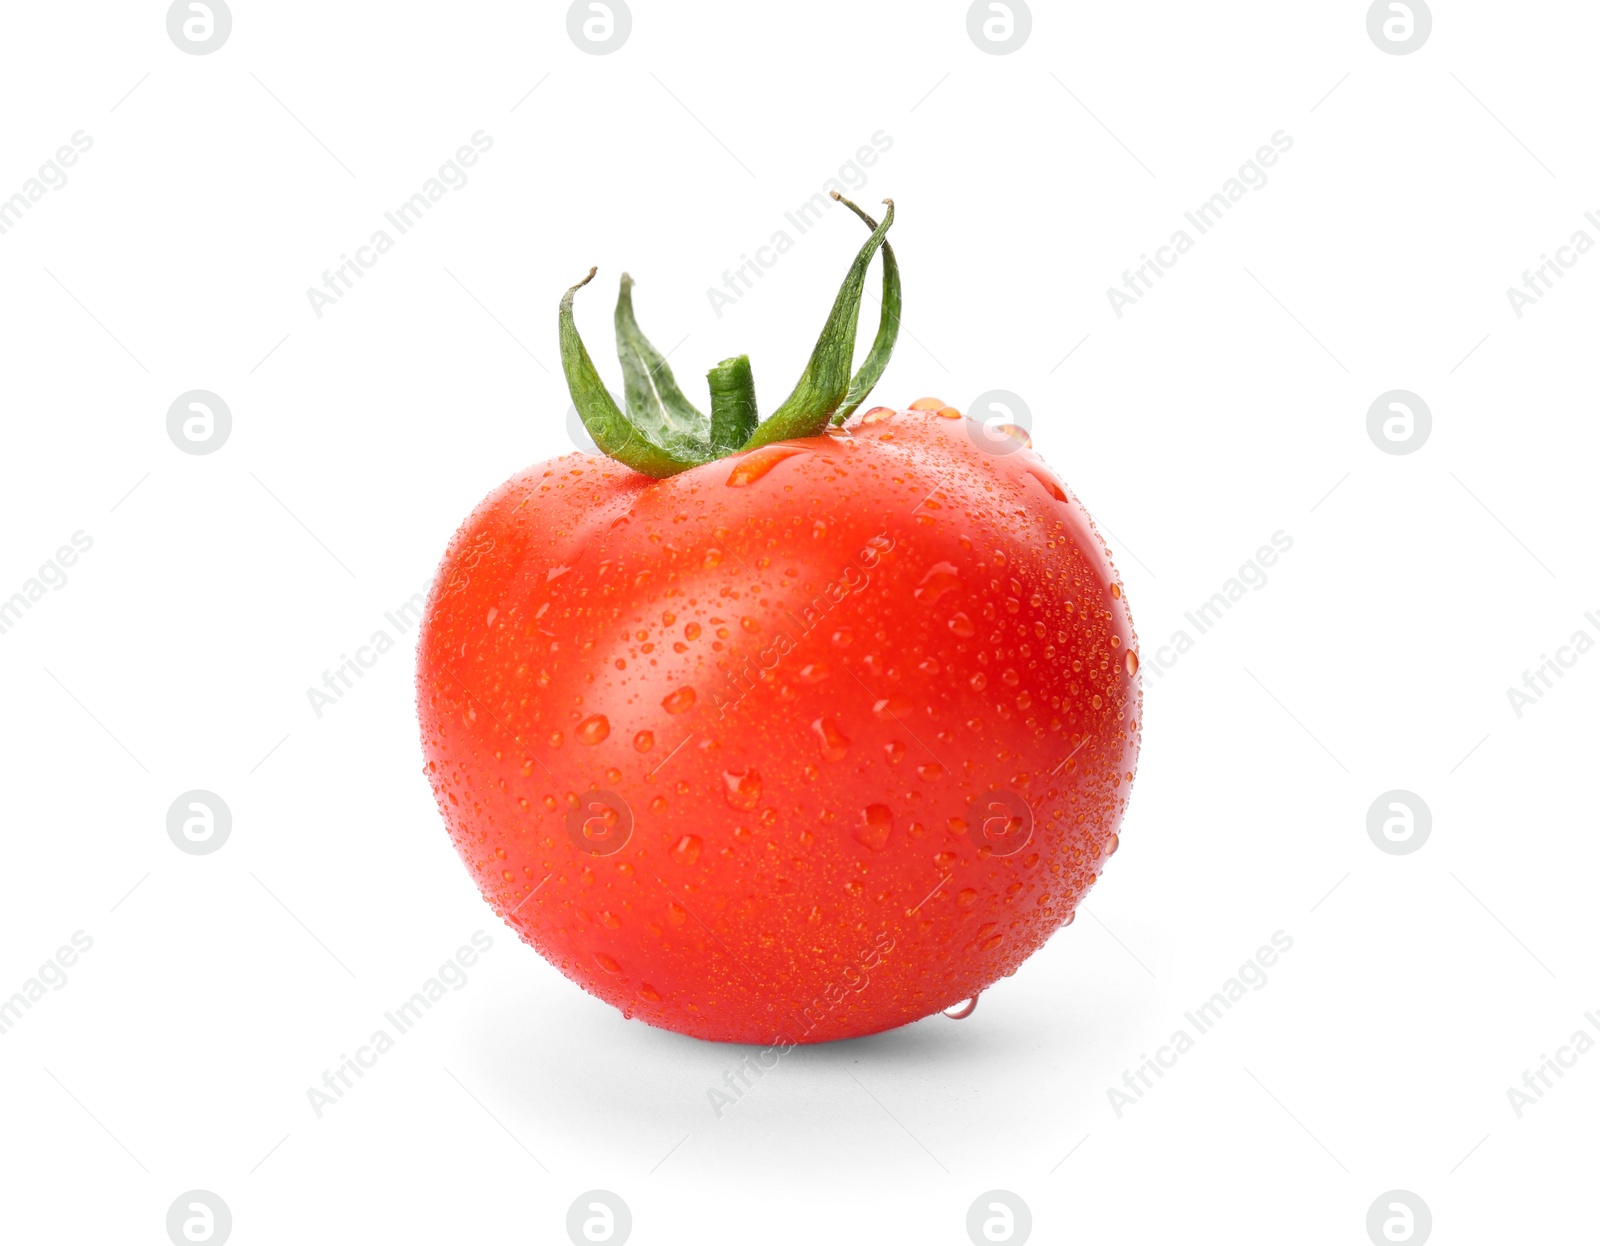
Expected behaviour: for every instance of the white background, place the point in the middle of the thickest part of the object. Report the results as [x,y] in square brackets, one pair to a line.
[1223,407]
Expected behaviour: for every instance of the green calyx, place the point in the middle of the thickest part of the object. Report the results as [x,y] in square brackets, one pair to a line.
[662,433]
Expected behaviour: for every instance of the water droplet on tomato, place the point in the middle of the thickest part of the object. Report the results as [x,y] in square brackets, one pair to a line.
[895,752]
[644,741]
[607,963]
[1050,486]
[741,788]
[962,626]
[593,729]
[940,579]
[877,824]
[753,466]
[1131,661]
[966,898]
[646,991]
[835,744]
[687,850]
[963,1010]
[678,702]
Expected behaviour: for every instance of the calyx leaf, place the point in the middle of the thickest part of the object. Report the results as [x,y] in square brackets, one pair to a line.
[662,433]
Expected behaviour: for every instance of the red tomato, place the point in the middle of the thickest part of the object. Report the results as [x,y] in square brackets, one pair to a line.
[799,744]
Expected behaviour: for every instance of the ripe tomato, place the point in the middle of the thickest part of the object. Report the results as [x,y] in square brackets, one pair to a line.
[802,742]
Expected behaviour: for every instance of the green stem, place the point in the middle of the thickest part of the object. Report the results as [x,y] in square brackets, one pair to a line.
[653,396]
[888,324]
[733,404]
[825,384]
[617,436]
[662,433]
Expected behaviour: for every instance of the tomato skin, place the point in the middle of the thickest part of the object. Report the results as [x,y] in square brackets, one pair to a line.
[919,630]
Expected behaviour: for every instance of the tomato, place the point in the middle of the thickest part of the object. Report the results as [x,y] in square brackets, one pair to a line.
[798,743]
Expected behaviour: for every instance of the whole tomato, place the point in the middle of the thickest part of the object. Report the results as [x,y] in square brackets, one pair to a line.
[783,732]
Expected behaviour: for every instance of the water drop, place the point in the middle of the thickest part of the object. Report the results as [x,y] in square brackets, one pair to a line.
[753,466]
[678,702]
[835,744]
[962,626]
[940,579]
[741,788]
[687,850]
[1131,662]
[644,741]
[593,729]
[877,824]
[962,1010]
